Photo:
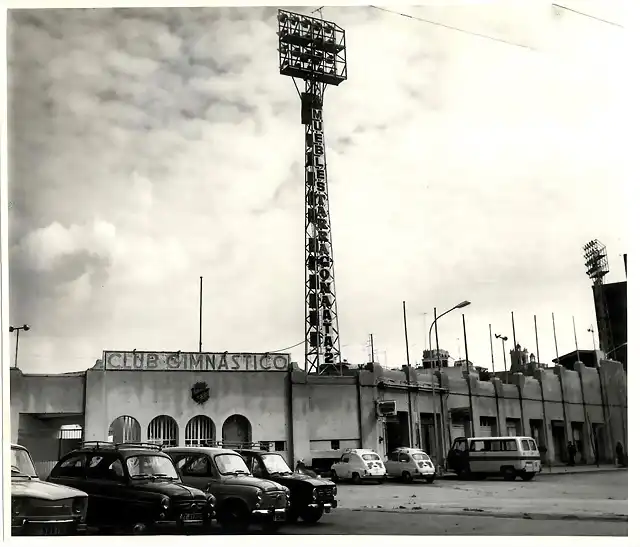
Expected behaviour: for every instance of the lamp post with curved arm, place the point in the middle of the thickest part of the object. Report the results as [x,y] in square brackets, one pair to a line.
[17,330]
[439,437]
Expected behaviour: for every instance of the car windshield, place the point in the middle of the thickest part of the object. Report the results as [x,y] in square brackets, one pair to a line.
[231,464]
[420,456]
[21,463]
[275,463]
[151,465]
[370,457]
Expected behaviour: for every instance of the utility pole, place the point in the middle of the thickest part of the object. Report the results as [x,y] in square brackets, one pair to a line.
[372,354]
[200,338]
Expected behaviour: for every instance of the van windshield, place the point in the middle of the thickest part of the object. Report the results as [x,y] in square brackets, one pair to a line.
[370,457]
[420,456]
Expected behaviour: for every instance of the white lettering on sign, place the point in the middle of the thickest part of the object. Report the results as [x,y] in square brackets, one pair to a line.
[217,362]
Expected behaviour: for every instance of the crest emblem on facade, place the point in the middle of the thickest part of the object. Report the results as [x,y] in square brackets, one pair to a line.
[200,392]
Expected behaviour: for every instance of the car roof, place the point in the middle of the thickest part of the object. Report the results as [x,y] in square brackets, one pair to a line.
[126,449]
[408,449]
[213,451]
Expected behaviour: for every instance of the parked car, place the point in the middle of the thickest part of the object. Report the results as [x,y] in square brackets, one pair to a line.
[358,464]
[511,457]
[409,464]
[40,508]
[310,497]
[134,487]
[242,498]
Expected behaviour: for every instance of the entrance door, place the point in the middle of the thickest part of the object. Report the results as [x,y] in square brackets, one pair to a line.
[559,446]
[236,430]
[393,434]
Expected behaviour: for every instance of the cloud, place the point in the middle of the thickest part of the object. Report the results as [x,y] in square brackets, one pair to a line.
[149,147]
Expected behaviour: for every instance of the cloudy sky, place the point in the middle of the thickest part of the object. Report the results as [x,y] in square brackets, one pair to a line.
[149,147]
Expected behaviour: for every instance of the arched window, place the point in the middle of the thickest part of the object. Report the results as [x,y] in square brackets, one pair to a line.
[163,430]
[125,429]
[200,431]
[236,430]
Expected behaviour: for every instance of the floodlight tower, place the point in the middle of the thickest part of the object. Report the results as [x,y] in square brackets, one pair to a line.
[597,264]
[314,51]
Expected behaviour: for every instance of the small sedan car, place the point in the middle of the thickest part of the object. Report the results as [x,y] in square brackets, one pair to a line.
[134,487]
[358,464]
[310,497]
[409,464]
[39,508]
[242,499]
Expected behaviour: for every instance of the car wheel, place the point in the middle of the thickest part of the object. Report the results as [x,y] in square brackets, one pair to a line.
[355,477]
[406,477]
[234,518]
[334,475]
[508,473]
[527,476]
[311,515]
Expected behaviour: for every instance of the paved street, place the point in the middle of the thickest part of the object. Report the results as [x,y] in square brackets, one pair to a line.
[585,495]
[349,522]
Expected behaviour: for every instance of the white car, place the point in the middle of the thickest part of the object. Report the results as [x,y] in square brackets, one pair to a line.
[409,464]
[358,464]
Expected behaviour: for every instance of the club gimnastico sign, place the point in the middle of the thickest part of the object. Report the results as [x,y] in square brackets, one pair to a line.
[179,361]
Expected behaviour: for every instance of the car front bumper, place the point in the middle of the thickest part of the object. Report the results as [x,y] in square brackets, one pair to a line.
[271,513]
[326,506]
[47,527]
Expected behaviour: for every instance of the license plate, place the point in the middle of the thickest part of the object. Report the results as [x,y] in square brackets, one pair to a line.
[528,466]
[192,517]
[279,517]
[51,530]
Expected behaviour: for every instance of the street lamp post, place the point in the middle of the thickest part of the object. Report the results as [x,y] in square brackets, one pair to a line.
[504,351]
[439,436]
[17,330]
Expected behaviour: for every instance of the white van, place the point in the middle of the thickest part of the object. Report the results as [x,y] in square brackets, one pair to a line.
[510,457]
[358,464]
[409,464]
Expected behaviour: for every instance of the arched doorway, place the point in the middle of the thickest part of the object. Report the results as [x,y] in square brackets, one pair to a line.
[125,429]
[163,430]
[200,431]
[236,430]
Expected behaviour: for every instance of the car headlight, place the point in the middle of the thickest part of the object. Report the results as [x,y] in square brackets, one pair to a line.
[165,502]
[16,506]
[314,493]
[78,506]
[259,498]
[335,490]
[211,500]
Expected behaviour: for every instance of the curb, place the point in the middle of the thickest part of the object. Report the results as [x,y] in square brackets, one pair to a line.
[607,517]
[547,473]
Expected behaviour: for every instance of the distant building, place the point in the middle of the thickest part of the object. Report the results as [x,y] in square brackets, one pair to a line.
[435,358]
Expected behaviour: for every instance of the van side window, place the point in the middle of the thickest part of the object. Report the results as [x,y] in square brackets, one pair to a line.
[510,446]
[404,458]
[477,446]
[525,444]
[495,446]
[532,444]
[460,445]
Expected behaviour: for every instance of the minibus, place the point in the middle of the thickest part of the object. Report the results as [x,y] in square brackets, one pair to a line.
[510,457]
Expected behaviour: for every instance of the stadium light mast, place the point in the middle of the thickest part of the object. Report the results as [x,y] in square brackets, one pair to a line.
[314,51]
[597,265]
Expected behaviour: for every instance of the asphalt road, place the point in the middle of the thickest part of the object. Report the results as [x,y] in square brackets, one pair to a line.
[363,522]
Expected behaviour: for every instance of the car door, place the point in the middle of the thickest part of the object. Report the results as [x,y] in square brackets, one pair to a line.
[392,464]
[196,471]
[106,486]
[342,468]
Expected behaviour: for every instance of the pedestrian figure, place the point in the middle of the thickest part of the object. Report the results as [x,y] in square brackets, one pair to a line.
[620,454]
[304,470]
[571,449]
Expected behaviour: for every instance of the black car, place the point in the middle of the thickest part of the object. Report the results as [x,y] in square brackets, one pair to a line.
[134,487]
[310,497]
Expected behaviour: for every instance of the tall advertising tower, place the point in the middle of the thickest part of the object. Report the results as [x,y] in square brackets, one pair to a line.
[313,50]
